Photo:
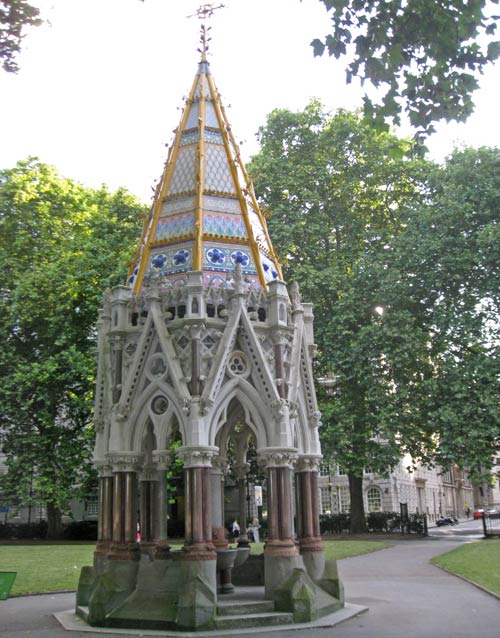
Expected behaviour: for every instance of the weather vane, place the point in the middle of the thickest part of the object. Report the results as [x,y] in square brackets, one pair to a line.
[204,12]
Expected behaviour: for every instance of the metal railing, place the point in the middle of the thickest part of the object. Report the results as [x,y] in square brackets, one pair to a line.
[491,524]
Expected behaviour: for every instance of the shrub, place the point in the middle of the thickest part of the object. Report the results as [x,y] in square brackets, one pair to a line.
[22,531]
[80,531]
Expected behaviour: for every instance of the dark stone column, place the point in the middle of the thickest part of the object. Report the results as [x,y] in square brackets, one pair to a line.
[105,520]
[307,505]
[219,467]
[198,544]
[124,544]
[162,459]
[280,541]
[242,472]
[149,519]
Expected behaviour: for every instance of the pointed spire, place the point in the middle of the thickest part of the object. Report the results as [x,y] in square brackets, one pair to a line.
[205,216]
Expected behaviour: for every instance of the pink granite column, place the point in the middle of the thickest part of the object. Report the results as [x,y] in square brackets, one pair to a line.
[198,544]
[149,515]
[105,520]
[124,543]
[280,541]
[307,505]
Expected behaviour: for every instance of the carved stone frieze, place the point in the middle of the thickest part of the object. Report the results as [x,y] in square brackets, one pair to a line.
[162,458]
[220,465]
[104,469]
[277,457]
[197,456]
[125,461]
[308,463]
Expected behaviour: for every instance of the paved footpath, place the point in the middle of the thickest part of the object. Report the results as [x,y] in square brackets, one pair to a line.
[407,598]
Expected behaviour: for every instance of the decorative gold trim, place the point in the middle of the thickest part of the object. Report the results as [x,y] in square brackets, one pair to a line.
[200,179]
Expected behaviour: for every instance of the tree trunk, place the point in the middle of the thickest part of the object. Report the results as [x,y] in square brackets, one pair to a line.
[54,522]
[358,522]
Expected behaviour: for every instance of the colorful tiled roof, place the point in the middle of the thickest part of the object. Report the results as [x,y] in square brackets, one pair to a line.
[205,216]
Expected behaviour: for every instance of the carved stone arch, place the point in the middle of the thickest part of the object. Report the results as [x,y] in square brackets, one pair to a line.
[251,403]
[170,426]
[102,441]
[307,433]
[302,434]
[143,413]
[235,413]
[149,444]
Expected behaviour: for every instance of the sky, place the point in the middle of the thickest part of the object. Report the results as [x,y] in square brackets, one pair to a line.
[101,83]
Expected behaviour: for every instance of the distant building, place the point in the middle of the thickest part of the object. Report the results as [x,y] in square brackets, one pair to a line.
[425,491]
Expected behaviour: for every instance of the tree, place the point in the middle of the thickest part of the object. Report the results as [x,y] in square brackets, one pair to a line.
[443,271]
[15,15]
[61,245]
[422,56]
[339,193]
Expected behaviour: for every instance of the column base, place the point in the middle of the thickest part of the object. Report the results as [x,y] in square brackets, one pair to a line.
[162,550]
[124,551]
[311,544]
[199,551]
[102,548]
[280,548]
[219,537]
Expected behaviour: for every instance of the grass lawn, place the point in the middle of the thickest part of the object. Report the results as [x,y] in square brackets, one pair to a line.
[476,561]
[43,568]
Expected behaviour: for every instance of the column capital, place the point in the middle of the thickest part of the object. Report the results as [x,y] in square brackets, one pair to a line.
[220,465]
[241,470]
[277,457]
[197,456]
[308,463]
[104,468]
[125,461]
[162,458]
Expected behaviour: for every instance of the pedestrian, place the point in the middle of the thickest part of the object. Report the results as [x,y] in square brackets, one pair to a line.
[235,529]
[254,529]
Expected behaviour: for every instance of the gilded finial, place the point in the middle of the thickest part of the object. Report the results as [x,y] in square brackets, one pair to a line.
[204,12]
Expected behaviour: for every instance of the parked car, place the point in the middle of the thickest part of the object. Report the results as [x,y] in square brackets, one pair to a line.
[478,514]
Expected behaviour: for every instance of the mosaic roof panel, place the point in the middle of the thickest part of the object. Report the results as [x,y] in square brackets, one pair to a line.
[194,114]
[223,258]
[179,205]
[270,272]
[183,179]
[176,226]
[210,115]
[190,137]
[225,231]
[222,204]
[217,174]
[215,137]
[197,90]
[224,226]
[171,260]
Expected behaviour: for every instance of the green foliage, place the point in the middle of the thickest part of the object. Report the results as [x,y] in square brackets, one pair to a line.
[15,15]
[339,192]
[400,258]
[61,244]
[422,56]
[444,274]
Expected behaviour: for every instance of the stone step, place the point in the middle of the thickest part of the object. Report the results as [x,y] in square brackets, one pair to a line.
[241,608]
[245,621]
